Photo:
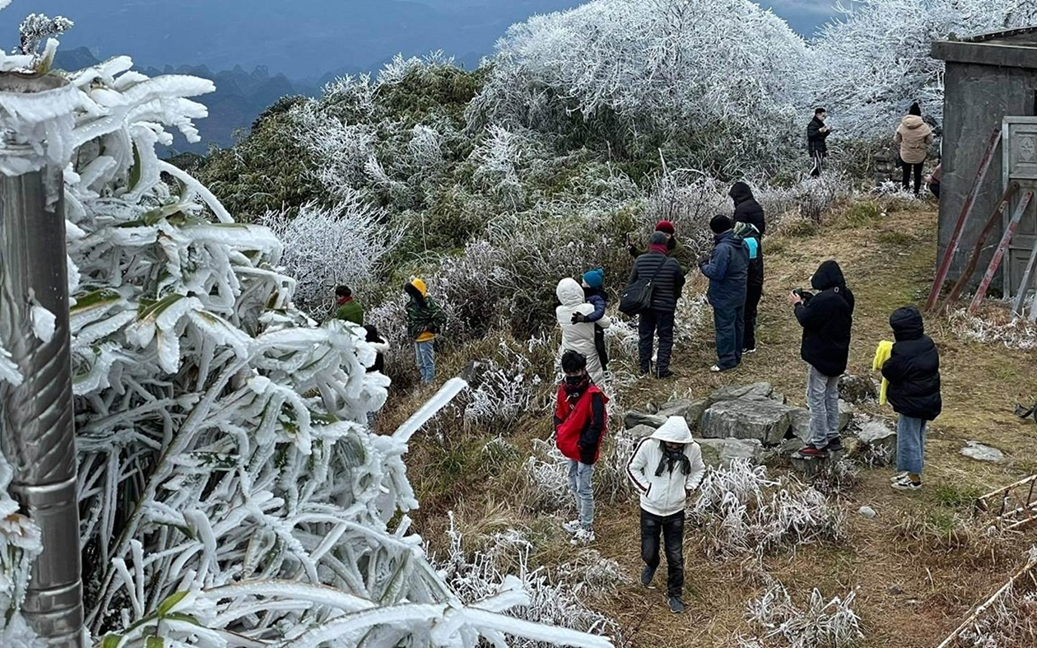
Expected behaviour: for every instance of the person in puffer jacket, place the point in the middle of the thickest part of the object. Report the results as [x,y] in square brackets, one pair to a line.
[914,137]
[580,422]
[665,468]
[668,281]
[579,335]
[595,295]
[913,373]
[747,209]
[754,286]
[728,273]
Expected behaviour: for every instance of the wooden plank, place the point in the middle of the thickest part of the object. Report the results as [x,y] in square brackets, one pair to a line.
[999,254]
[977,250]
[966,211]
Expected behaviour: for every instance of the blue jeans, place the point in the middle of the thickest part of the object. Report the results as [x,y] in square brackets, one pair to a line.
[910,444]
[823,401]
[580,485]
[426,355]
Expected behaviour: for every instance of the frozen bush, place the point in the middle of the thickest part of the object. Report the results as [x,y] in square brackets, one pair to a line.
[823,624]
[994,323]
[507,387]
[497,158]
[547,478]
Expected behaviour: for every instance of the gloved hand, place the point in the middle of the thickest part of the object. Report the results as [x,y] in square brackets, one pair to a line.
[578,318]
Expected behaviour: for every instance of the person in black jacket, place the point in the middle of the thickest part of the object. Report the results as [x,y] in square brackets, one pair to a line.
[817,133]
[667,281]
[747,210]
[827,319]
[728,271]
[913,372]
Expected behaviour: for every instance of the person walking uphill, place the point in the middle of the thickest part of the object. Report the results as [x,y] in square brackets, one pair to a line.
[674,248]
[424,320]
[827,319]
[577,333]
[914,137]
[817,146]
[580,422]
[667,280]
[913,374]
[347,307]
[728,271]
[665,468]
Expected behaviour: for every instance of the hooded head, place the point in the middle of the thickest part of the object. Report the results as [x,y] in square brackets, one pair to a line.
[915,109]
[907,323]
[659,243]
[569,292]
[417,289]
[720,224]
[594,278]
[674,430]
[666,227]
[828,275]
[740,192]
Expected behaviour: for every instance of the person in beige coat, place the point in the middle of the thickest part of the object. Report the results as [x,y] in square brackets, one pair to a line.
[914,137]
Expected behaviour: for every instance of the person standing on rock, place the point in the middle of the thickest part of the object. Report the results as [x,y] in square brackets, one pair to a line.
[667,283]
[728,271]
[674,248]
[913,373]
[827,320]
[424,320]
[665,468]
[914,137]
[577,332]
[580,422]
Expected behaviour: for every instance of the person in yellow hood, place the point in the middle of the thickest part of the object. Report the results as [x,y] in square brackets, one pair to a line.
[424,320]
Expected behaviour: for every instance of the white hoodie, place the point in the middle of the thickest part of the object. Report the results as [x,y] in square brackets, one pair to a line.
[665,494]
[579,337]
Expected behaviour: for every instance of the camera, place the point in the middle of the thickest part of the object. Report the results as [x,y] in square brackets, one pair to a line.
[802,294]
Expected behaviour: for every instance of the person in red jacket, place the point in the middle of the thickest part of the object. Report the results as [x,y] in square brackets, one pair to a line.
[580,423]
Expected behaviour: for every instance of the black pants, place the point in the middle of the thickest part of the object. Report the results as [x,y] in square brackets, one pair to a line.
[649,323]
[818,158]
[599,346]
[729,322]
[672,529]
[752,305]
[917,169]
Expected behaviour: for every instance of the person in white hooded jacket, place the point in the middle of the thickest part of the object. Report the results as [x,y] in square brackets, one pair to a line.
[579,337]
[664,469]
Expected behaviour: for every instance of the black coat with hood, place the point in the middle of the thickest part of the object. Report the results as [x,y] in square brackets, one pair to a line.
[747,210]
[827,319]
[913,371]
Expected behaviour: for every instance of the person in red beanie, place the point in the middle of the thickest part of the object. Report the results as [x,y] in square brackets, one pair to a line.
[674,248]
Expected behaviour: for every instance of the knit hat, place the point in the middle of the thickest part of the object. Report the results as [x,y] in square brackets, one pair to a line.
[665,226]
[720,224]
[915,109]
[594,278]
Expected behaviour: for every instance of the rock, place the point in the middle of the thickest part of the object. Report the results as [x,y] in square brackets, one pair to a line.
[695,411]
[779,397]
[980,452]
[858,389]
[678,407]
[852,446]
[651,407]
[721,452]
[879,439]
[801,420]
[846,411]
[765,420]
[634,419]
[755,391]
[639,431]
[790,447]
[867,512]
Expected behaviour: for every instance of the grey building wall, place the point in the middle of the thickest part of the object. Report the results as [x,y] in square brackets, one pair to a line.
[977,98]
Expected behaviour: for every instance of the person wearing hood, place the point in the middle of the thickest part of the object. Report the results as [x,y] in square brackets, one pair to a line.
[347,307]
[667,279]
[424,320]
[580,422]
[665,468]
[827,319]
[595,295]
[817,146]
[747,210]
[727,270]
[578,333]
[674,248]
[751,237]
[914,137]
[913,373]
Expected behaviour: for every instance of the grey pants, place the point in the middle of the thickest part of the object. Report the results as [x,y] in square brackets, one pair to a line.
[580,475]
[823,401]
[910,444]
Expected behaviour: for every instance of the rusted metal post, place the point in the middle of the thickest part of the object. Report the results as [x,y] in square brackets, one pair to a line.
[36,421]
[999,254]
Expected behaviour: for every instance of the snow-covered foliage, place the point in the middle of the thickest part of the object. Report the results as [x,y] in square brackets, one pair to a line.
[231,490]
[507,386]
[823,624]
[38,27]
[547,477]
[742,511]
[995,324]
[19,547]
[871,64]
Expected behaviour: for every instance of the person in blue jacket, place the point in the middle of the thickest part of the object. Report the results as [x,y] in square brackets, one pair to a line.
[728,272]
[594,293]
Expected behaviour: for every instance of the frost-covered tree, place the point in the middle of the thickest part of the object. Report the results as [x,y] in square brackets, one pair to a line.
[871,64]
[231,491]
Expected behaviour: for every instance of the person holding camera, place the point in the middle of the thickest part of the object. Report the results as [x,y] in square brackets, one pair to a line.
[827,320]
[728,272]
[424,320]
[817,133]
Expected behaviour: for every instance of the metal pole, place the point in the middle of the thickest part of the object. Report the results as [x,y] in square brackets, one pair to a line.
[36,421]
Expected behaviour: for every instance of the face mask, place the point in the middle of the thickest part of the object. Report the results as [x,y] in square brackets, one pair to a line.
[573,380]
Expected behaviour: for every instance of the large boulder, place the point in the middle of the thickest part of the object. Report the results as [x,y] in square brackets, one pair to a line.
[677,407]
[801,420]
[639,431]
[722,452]
[634,419]
[755,391]
[764,419]
[879,441]
[858,389]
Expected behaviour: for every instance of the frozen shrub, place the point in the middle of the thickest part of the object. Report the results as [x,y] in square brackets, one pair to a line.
[506,387]
[995,323]
[823,624]
[547,478]
[497,158]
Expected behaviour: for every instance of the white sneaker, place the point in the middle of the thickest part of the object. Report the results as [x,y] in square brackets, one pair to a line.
[715,369]
[900,476]
[583,536]
[571,527]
